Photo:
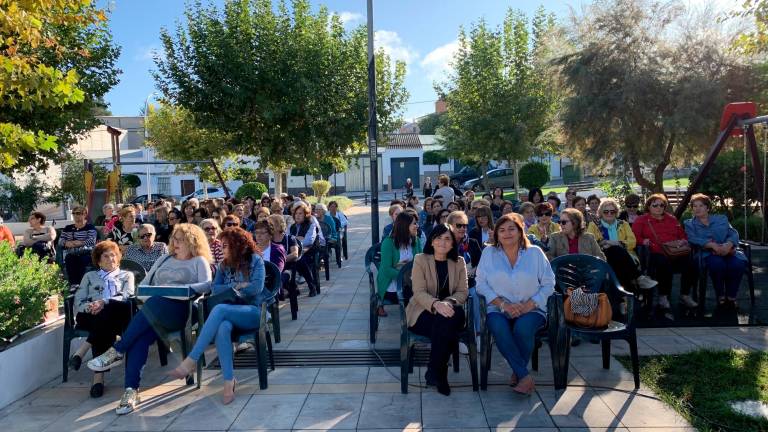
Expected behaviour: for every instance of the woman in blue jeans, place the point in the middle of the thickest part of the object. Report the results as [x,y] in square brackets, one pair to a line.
[516,279]
[718,241]
[187,264]
[242,271]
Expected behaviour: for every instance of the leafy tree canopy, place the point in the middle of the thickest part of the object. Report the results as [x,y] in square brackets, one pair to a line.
[429,124]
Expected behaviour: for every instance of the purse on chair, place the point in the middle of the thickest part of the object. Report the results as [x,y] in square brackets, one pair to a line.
[672,249]
[588,310]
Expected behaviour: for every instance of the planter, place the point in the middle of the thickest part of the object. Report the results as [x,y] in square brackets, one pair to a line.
[30,361]
[51,308]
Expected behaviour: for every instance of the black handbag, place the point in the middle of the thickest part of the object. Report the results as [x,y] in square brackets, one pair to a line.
[229,296]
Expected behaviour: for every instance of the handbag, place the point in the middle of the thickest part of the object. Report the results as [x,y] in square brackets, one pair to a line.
[588,310]
[672,249]
[229,296]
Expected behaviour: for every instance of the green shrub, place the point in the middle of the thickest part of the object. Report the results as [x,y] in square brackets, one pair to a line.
[617,188]
[534,175]
[321,188]
[25,285]
[344,202]
[754,228]
[254,189]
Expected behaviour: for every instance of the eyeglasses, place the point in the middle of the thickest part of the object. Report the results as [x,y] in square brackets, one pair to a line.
[173,218]
[78,213]
[564,221]
[609,212]
[549,214]
[657,205]
[230,224]
[210,228]
[632,206]
[145,236]
[460,226]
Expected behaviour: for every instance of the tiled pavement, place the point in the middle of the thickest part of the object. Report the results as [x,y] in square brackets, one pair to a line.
[368,398]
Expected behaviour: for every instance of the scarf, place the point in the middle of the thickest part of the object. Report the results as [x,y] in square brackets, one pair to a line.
[110,283]
[610,231]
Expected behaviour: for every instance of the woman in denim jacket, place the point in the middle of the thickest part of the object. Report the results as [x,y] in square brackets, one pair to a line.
[718,241]
[242,271]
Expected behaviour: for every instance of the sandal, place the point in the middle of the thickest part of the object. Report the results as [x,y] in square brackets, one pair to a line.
[381,312]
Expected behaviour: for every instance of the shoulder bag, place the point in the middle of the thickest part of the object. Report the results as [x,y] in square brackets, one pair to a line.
[672,249]
[588,310]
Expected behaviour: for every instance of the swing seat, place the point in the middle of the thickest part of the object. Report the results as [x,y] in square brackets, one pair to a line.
[742,110]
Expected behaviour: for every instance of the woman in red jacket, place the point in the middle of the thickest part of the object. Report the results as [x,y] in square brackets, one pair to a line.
[653,229]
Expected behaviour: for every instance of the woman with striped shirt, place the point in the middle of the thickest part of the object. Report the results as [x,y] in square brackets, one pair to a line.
[77,241]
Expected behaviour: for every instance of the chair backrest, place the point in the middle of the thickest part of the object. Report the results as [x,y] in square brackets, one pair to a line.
[325,228]
[132,266]
[373,256]
[337,222]
[404,283]
[579,270]
[272,281]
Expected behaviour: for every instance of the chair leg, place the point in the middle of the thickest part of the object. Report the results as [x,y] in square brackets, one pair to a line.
[702,292]
[485,361]
[162,352]
[535,355]
[276,321]
[606,345]
[751,283]
[411,358]
[635,359]
[270,352]
[405,361]
[199,365]
[327,266]
[337,251]
[65,356]
[456,360]
[473,366]
[562,359]
[293,298]
[261,347]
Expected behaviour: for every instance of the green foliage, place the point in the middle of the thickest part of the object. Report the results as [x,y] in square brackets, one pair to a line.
[131,181]
[646,85]
[429,124]
[321,188]
[754,227]
[756,40]
[344,202]
[435,157]
[617,187]
[291,82]
[22,200]
[499,101]
[25,284]
[56,64]
[534,175]
[254,189]
[725,182]
[245,174]
[684,381]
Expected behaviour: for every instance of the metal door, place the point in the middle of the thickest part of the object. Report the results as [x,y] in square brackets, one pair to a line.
[402,169]
[187,187]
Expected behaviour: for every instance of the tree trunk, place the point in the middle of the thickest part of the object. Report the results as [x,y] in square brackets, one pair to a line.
[484,174]
[439,169]
[278,182]
[517,181]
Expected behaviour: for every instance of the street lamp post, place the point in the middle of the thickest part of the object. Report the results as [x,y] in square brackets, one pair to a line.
[146,149]
[372,128]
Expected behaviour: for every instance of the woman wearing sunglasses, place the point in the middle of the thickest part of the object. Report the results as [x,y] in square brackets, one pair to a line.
[147,250]
[654,229]
[212,231]
[544,227]
[616,238]
[573,237]
[631,209]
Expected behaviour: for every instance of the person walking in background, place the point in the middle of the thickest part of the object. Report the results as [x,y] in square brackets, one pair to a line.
[408,188]
[427,188]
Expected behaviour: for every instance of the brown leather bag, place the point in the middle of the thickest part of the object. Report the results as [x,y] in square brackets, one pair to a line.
[672,249]
[582,310]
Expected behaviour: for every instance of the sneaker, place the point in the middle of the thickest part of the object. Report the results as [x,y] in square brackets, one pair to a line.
[300,280]
[106,361]
[463,349]
[128,402]
[688,302]
[644,282]
[664,302]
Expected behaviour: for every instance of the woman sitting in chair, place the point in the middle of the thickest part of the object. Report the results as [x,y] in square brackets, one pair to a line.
[572,237]
[305,231]
[396,251]
[242,271]
[187,264]
[269,251]
[439,279]
[718,241]
[102,307]
[516,280]
[147,251]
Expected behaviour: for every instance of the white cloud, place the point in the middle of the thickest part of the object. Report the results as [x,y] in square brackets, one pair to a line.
[438,63]
[347,17]
[393,45]
[146,53]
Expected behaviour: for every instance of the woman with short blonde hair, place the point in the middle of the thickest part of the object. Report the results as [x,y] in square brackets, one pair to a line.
[212,231]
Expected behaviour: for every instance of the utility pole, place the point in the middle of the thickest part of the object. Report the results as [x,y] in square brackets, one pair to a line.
[372,129]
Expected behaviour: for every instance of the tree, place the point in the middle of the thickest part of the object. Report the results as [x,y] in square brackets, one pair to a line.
[534,175]
[429,124]
[57,61]
[646,86]
[72,181]
[435,157]
[289,85]
[21,200]
[755,40]
[497,99]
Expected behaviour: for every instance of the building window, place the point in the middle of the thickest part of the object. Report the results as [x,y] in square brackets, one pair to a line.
[164,185]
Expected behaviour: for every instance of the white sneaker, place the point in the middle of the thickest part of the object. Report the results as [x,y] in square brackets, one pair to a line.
[106,361]
[664,302]
[300,280]
[463,349]
[688,301]
[128,402]
[644,282]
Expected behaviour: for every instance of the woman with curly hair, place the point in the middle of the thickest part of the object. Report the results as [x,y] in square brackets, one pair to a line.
[242,271]
[187,264]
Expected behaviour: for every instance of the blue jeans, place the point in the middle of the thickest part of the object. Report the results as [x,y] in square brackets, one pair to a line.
[219,325]
[515,338]
[726,273]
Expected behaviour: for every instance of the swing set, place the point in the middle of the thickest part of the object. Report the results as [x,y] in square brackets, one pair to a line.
[739,120]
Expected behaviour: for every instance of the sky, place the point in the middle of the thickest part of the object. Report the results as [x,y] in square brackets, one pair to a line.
[423,33]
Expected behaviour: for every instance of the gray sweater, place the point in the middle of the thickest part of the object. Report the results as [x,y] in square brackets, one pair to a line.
[92,288]
[168,270]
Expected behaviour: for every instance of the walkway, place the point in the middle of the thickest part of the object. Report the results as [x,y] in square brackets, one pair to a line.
[366,398]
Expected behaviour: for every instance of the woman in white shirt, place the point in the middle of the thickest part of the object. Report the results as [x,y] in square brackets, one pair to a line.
[516,280]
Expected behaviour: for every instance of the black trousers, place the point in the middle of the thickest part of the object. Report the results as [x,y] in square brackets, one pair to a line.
[105,326]
[662,268]
[443,333]
[622,264]
[77,266]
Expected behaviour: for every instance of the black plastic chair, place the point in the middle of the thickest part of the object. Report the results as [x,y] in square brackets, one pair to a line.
[408,339]
[325,251]
[746,248]
[373,257]
[293,290]
[595,275]
[139,273]
[550,332]
[261,336]
[344,247]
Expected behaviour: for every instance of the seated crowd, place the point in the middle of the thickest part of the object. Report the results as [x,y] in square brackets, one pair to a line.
[210,246]
[501,250]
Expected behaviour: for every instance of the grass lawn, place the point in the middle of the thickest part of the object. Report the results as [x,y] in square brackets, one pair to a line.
[701,384]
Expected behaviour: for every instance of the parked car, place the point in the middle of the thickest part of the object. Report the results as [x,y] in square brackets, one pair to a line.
[464,174]
[142,199]
[213,192]
[500,177]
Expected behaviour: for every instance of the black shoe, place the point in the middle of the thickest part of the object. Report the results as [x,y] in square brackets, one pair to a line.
[312,293]
[442,382]
[97,390]
[575,341]
[75,361]
[430,378]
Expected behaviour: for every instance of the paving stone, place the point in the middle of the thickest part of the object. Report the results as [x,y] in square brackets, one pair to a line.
[438,411]
[325,411]
[390,410]
[269,412]
[509,409]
